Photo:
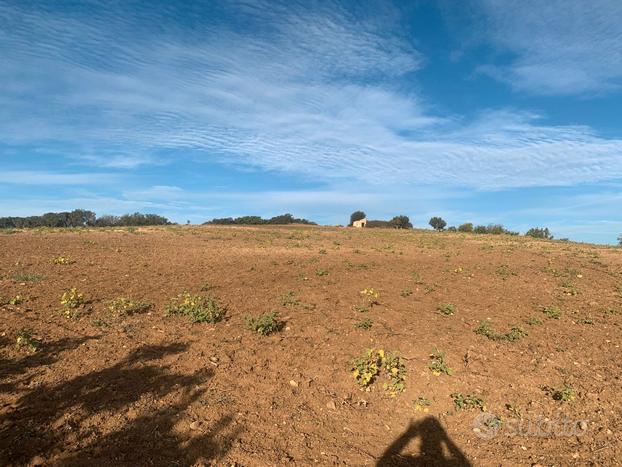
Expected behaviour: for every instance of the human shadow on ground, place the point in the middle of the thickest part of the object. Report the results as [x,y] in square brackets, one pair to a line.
[127,414]
[436,448]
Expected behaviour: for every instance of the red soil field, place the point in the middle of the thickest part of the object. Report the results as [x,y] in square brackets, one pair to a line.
[149,389]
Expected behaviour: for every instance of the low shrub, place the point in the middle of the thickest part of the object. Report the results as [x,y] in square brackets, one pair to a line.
[264,324]
[198,308]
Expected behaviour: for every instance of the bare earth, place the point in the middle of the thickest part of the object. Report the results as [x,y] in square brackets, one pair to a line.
[147,389]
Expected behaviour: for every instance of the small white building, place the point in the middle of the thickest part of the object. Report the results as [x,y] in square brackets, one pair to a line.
[360,224]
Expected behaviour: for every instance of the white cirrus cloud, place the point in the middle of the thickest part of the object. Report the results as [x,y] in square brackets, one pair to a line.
[306,91]
[559,46]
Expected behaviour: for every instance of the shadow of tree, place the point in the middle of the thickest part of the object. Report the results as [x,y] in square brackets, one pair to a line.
[436,448]
[62,423]
[47,355]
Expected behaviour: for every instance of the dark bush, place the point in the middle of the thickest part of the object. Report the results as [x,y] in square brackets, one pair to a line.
[401,222]
[379,224]
[494,229]
[437,223]
[283,219]
[466,227]
[537,232]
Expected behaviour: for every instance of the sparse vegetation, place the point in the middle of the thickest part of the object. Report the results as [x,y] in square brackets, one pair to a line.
[365,323]
[566,393]
[264,324]
[26,338]
[62,260]
[367,368]
[289,299]
[16,300]
[127,306]
[370,295]
[26,277]
[504,271]
[447,309]
[71,302]
[467,401]
[422,404]
[438,365]
[552,312]
[198,308]
[516,333]
[417,277]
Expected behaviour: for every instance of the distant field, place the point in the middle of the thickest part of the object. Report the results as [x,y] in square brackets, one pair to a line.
[136,387]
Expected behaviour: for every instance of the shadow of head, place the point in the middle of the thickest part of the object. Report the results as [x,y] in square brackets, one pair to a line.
[435,447]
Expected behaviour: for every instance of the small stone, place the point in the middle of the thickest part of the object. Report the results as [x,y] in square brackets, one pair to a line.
[293,384]
[36,461]
[195,425]
[331,405]
[583,425]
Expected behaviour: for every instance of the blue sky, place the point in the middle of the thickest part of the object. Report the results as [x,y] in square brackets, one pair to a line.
[483,111]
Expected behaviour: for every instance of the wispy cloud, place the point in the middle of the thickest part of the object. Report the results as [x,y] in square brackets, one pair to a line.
[560,46]
[45,178]
[313,91]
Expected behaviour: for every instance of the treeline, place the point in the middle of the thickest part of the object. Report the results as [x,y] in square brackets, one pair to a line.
[439,224]
[283,219]
[81,218]
[398,222]
[491,229]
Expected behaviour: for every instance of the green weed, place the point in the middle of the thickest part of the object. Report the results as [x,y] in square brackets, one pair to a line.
[447,309]
[264,324]
[364,324]
[438,365]
[467,401]
[552,312]
[484,329]
[367,368]
[200,309]
[26,338]
[127,306]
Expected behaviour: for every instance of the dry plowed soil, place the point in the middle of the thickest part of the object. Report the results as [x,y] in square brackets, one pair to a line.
[538,384]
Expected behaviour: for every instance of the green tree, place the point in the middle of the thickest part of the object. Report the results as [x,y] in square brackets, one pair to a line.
[401,222]
[537,232]
[438,223]
[466,227]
